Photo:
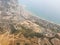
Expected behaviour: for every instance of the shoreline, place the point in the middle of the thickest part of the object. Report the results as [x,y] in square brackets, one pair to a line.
[32,14]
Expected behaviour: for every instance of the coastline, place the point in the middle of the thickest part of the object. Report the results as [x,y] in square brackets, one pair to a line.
[32,14]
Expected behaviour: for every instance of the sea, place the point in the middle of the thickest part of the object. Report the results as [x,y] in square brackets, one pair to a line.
[45,9]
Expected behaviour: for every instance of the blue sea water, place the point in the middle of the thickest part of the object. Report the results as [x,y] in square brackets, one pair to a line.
[46,9]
